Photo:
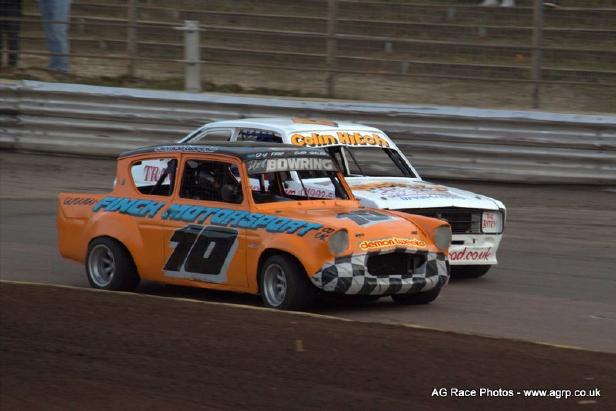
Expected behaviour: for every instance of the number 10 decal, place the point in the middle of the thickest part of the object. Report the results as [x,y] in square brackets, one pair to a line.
[201,253]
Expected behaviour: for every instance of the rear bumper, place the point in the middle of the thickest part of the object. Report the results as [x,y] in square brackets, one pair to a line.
[349,275]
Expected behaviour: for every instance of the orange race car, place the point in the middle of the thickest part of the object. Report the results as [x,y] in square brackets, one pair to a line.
[239,218]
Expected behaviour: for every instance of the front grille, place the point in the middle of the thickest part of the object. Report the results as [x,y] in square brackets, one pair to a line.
[462,220]
[396,263]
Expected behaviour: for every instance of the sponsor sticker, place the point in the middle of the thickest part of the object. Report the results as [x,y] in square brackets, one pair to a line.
[186,148]
[490,222]
[404,191]
[310,192]
[224,217]
[341,137]
[271,165]
[75,201]
[476,254]
[391,242]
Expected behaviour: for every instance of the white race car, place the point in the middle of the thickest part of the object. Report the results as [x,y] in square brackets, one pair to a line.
[381,177]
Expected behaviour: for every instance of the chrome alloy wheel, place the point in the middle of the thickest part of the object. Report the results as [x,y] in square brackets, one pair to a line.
[274,284]
[101,265]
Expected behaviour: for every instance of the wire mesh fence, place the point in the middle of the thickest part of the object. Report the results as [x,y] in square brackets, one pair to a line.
[453,52]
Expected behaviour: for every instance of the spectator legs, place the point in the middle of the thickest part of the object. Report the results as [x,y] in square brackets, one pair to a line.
[56,17]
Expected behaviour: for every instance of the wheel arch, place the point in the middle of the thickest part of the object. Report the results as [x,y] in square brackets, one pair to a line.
[120,243]
[269,252]
[122,229]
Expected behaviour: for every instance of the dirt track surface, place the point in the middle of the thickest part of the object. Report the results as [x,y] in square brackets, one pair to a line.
[555,283]
[79,349]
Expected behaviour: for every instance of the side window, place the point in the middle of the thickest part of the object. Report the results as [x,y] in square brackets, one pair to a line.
[154,176]
[252,134]
[211,181]
[215,135]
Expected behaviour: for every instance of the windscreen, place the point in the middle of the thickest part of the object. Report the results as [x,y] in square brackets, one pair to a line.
[294,179]
[368,161]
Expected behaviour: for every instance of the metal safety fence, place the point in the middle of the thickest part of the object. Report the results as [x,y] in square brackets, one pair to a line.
[445,142]
[438,52]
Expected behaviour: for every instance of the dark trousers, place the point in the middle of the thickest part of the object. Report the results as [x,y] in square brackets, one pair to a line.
[9,35]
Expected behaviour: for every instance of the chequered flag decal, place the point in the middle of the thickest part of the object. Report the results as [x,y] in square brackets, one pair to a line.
[348,275]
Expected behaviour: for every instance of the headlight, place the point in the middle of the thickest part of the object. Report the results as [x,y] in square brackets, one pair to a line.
[492,222]
[338,242]
[442,237]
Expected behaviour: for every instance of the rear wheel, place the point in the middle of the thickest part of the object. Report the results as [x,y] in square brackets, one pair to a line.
[417,298]
[284,284]
[109,266]
[469,271]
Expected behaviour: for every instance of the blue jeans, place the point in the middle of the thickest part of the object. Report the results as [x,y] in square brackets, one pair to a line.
[56,19]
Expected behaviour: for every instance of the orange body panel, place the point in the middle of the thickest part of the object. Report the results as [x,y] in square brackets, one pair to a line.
[146,226]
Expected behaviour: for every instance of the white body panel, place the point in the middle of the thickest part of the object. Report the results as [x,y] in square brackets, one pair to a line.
[394,193]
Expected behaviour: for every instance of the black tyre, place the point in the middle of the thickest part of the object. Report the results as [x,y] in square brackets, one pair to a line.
[417,298]
[109,266]
[284,284]
[469,271]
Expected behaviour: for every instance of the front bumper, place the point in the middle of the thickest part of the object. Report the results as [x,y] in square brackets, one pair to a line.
[349,275]
[474,249]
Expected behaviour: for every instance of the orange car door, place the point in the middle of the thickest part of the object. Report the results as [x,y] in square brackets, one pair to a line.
[197,245]
[154,178]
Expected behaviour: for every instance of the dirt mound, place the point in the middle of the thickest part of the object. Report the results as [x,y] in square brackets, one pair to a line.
[66,348]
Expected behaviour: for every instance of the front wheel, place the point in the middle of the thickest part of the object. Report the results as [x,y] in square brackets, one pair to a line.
[109,266]
[469,271]
[418,298]
[284,284]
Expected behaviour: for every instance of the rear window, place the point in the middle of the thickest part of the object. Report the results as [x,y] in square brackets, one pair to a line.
[252,134]
[212,136]
[154,176]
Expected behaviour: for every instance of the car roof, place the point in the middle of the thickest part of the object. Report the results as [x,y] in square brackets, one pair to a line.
[287,125]
[242,150]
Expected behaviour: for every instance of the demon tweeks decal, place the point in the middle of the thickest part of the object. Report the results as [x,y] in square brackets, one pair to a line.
[391,242]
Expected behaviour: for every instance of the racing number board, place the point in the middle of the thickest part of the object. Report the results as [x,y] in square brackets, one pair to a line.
[201,253]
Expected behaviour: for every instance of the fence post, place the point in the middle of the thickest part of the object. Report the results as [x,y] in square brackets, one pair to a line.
[192,56]
[131,37]
[537,50]
[332,16]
